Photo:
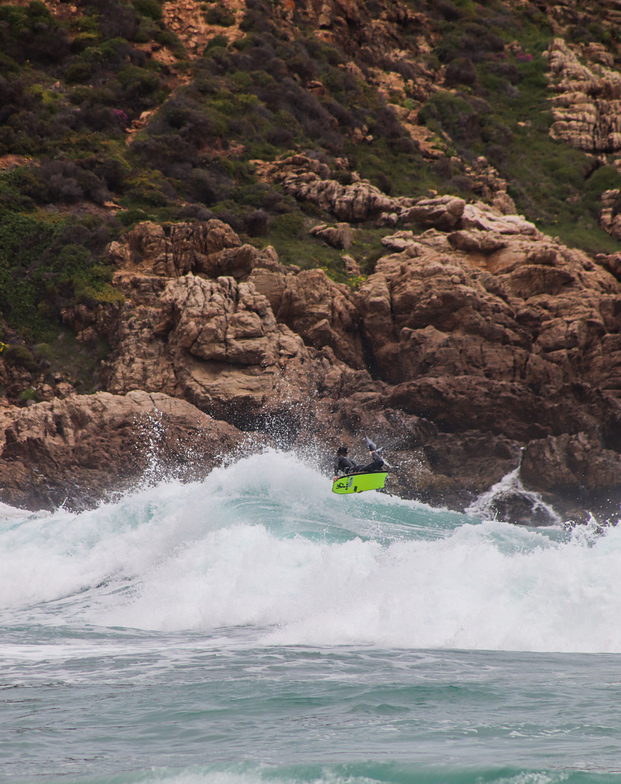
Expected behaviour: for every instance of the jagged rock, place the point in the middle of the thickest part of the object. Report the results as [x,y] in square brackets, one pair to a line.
[219,345]
[520,341]
[521,509]
[211,248]
[611,262]
[443,213]
[483,217]
[352,203]
[321,311]
[446,213]
[77,450]
[340,236]
[476,241]
[351,266]
[587,102]
[609,219]
[576,464]
[400,241]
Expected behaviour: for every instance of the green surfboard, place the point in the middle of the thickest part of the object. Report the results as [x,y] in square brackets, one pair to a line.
[358,483]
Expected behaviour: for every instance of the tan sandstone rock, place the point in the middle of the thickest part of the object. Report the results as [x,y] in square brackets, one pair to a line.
[75,451]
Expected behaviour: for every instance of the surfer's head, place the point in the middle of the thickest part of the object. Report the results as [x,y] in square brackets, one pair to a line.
[342,450]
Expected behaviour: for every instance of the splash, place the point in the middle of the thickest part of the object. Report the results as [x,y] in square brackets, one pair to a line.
[263,548]
[508,500]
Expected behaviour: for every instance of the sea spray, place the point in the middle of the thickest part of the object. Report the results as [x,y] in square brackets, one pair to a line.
[509,501]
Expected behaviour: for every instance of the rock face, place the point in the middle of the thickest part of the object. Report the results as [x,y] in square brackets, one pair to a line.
[308,180]
[227,346]
[515,335]
[475,345]
[75,451]
[587,101]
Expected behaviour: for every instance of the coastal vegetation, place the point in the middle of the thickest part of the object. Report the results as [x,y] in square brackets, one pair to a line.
[108,119]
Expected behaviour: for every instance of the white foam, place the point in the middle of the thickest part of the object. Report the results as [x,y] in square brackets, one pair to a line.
[265,545]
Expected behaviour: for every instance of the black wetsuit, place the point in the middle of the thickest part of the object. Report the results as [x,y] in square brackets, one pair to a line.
[343,464]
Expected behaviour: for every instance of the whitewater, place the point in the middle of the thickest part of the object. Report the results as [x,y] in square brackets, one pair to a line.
[254,628]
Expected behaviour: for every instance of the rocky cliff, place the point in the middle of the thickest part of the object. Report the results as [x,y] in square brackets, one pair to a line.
[473,346]
[466,338]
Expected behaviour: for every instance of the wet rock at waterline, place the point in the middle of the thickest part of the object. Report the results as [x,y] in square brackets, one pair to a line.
[76,451]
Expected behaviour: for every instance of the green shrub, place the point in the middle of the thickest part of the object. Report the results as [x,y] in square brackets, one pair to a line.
[45,265]
[217,42]
[149,8]
[28,394]
[451,114]
[217,14]
[132,216]
[20,356]
[149,188]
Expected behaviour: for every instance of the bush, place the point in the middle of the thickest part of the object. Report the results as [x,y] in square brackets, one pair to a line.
[194,212]
[165,151]
[256,223]
[42,267]
[460,71]
[203,187]
[149,8]
[132,216]
[452,115]
[141,89]
[111,171]
[66,182]
[219,15]
[256,18]
[20,356]
[149,188]
[31,34]
[115,19]
[233,220]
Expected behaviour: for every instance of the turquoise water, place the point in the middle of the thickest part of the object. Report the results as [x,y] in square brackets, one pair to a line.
[256,628]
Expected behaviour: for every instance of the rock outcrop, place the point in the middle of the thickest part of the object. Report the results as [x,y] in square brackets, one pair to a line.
[76,451]
[473,345]
[309,180]
[242,349]
[587,101]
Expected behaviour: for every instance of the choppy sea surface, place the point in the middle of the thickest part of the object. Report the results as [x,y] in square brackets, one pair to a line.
[254,628]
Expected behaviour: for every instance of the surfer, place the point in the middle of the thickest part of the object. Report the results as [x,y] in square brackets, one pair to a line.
[352,478]
[342,464]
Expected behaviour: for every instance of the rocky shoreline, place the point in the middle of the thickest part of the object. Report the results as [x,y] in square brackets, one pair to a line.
[476,346]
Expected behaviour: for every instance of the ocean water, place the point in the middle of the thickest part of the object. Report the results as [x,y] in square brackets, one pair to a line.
[254,628]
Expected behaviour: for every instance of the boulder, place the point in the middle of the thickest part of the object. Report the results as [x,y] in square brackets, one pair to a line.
[77,450]
[211,248]
[443,213]
[571,464]
[301,178]
[339,236]
[215,343]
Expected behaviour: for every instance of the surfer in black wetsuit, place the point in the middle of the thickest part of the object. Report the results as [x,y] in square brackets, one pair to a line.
[342,464]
